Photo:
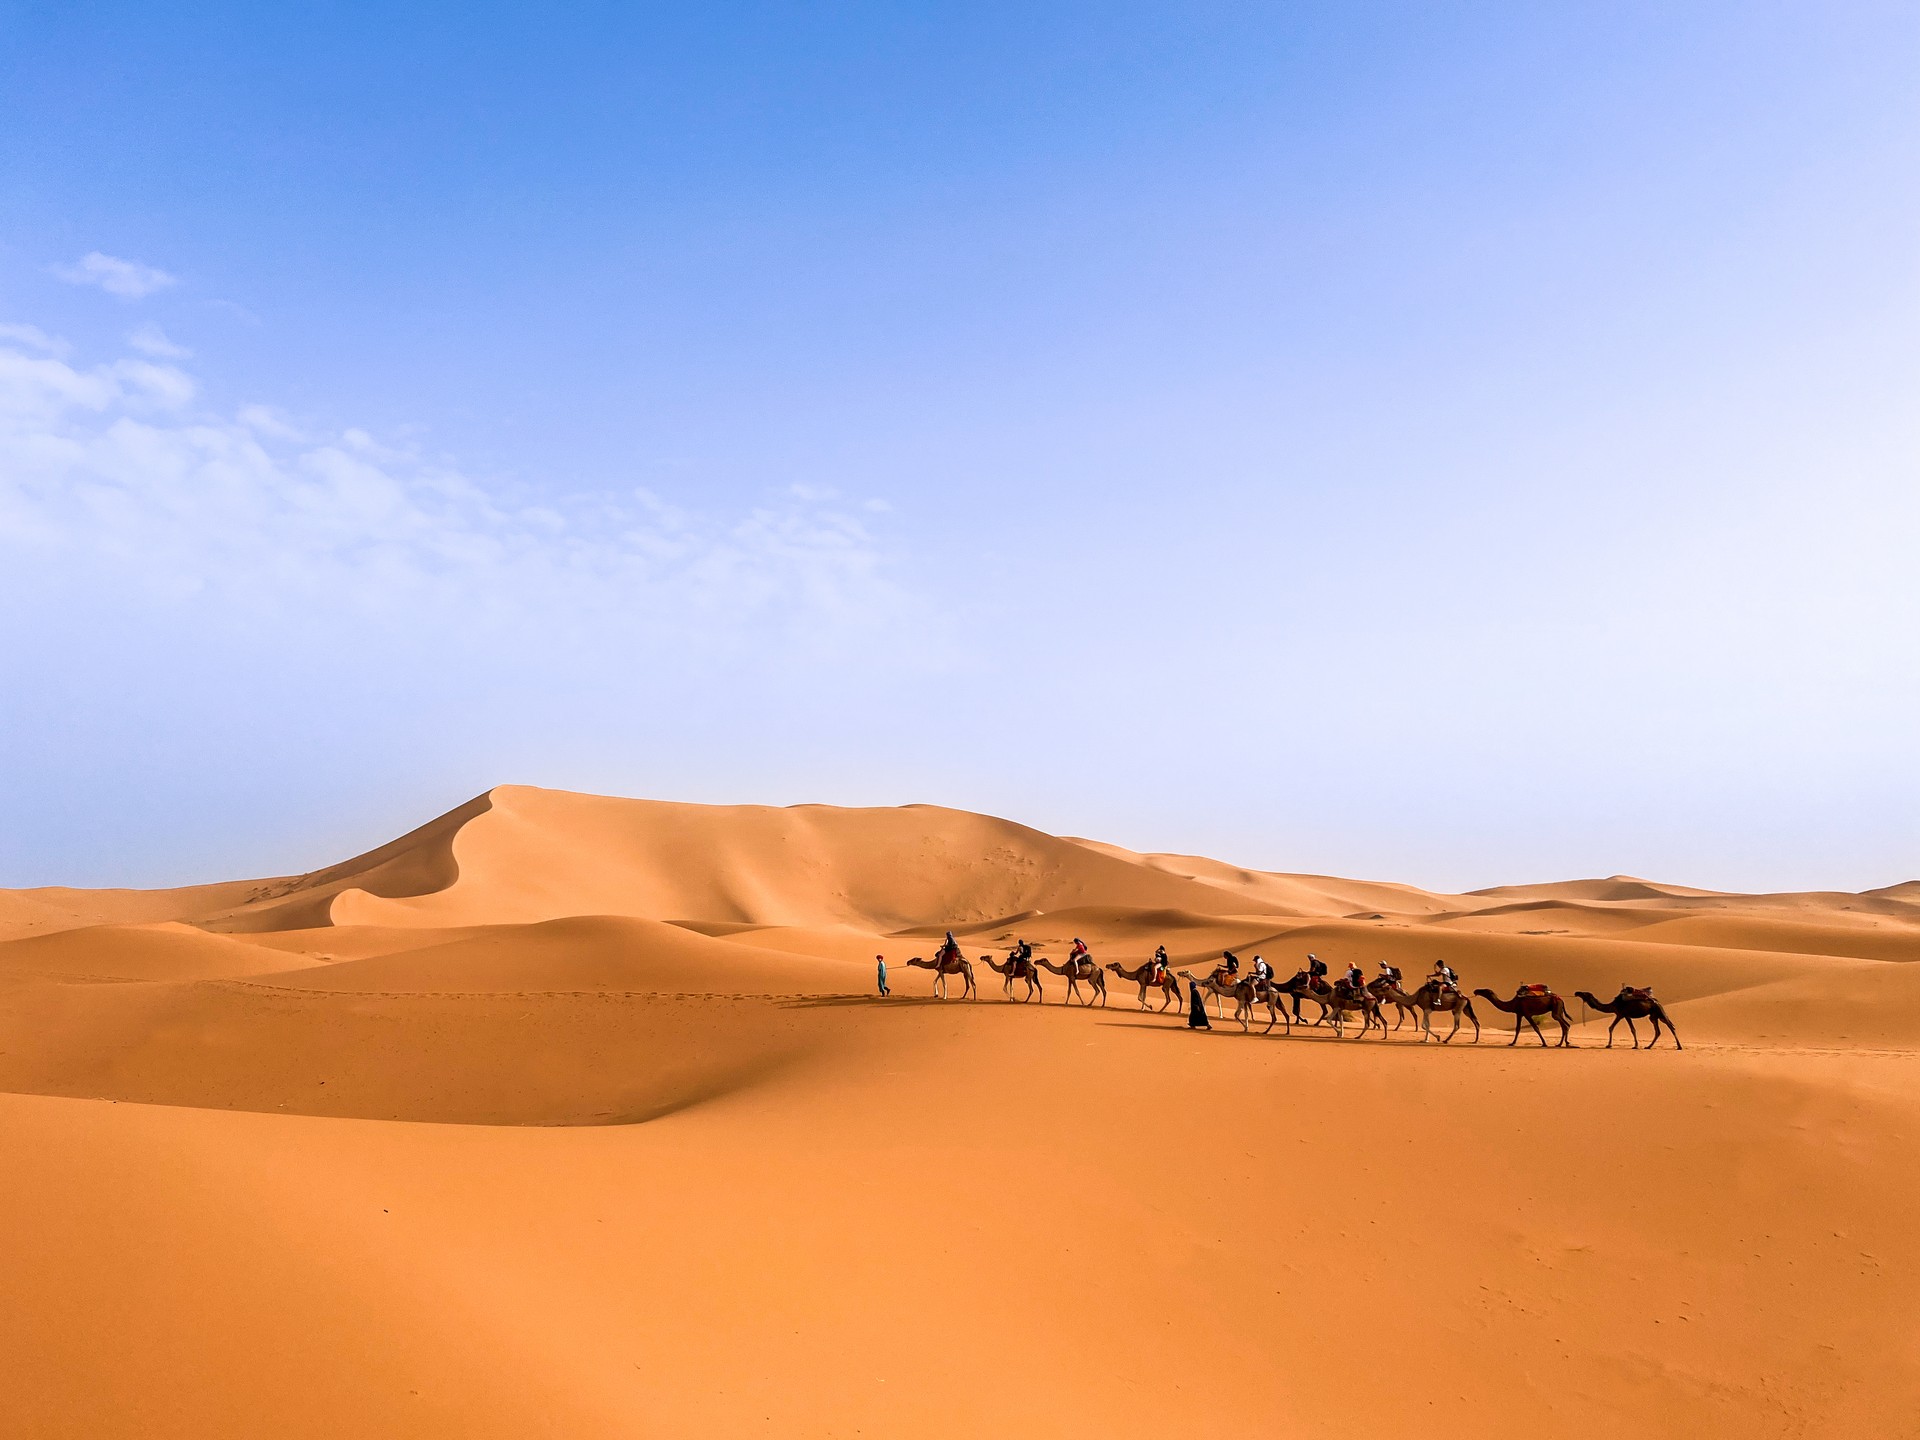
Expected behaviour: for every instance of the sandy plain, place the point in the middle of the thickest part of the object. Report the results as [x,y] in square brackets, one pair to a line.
[575,1116]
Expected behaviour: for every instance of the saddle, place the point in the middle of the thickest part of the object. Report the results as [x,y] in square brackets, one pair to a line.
[1642,993]
[1532,990]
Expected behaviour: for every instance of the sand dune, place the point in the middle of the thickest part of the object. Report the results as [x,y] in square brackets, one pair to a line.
[575,1116]
[166,951]
[50,909]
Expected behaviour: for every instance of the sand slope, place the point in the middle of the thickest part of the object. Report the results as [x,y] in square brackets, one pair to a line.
[575,1116]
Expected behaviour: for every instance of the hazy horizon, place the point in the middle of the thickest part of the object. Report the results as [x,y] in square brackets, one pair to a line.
[1461,449]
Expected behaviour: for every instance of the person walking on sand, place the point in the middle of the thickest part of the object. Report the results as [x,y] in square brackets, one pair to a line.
[1196,1009]
[881,961]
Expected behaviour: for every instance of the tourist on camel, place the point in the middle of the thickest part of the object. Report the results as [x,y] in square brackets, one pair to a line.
[1316,968]
[1079,952]
[1161,960]
[1262,972]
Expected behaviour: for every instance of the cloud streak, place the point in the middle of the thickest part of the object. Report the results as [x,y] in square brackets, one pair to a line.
[128,279]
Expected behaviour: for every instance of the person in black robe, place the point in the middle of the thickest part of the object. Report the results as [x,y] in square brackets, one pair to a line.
[1196,1009]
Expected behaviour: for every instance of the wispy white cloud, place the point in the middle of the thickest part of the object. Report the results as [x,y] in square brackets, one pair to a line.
[34,338]
[128,279]
[150,339]
[269,422]
[118,465]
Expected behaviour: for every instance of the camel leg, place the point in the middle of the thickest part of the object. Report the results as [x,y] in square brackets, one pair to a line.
[1534,1021]
[1616,1021]
[1468,1007]
[1660,1018]
[1633,1032]
[1517,1021]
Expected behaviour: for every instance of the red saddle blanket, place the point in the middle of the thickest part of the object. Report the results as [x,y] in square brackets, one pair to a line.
[1636,992]
[1533,990]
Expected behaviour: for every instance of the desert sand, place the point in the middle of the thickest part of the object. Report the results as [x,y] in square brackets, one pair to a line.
[574,1116]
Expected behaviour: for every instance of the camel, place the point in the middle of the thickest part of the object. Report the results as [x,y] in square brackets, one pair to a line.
[1306,987]
[1528,1004]
[1631,1005]
[1342,998]
[1017,970]
[1386,990]
[1425,1001]
[1271,994]
[1245,993]
[943,965]
[1239,991]
[1076,971]
[1168,987]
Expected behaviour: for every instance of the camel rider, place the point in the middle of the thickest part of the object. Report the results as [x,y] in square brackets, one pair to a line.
[1390,973]
[1161,960]
[1021,954]
[1316,968]
[1262,972]
[950,950]
[1356,979]
[1230,963]
[1443,975]
[1079,953]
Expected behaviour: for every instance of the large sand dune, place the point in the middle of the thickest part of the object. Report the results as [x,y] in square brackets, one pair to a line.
[575,1116]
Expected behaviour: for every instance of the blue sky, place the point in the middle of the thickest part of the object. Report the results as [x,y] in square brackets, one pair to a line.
[1452,443]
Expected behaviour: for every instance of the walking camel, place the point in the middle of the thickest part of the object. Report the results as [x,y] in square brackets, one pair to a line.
[1386,990]
[1631,1005]
[1306,987]
[1529,1003]
[1342,998]
[1168,987]
[1076,971]
[1246,992]
[1239,991]
[1017,970]
[1427,1000]
[943,965]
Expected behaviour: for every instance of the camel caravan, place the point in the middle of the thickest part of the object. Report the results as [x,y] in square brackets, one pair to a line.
[1351,1003]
